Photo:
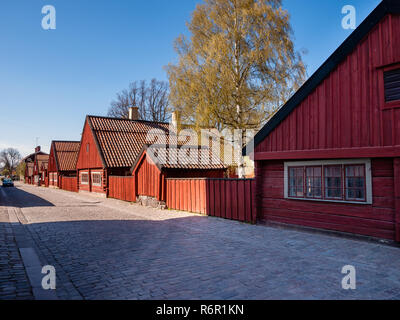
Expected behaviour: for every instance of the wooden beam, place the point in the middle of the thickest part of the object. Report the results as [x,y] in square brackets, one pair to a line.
[376,152]
[396,167]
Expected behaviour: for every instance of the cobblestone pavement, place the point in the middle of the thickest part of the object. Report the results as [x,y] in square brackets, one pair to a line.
[107,249]
[14,283]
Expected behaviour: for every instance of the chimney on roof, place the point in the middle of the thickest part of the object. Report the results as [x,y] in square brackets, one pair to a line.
[37,149]
[133,113]
[174,119]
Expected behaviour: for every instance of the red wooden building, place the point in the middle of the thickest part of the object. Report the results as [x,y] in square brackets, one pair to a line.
[109,147]
[36,166]
[330,158]
[158,163]
[62,161]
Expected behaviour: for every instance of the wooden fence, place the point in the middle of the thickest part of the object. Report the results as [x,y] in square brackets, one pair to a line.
[122,188]
[225,198]
[187,195]
[69,183]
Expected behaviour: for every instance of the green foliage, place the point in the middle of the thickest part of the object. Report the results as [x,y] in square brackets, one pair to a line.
[238,67]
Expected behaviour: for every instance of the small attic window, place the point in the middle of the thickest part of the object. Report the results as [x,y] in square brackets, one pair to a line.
[392,85]
[87,147]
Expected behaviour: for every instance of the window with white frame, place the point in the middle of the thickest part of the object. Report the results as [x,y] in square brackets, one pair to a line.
[84,178]
[96,179]
[333,180]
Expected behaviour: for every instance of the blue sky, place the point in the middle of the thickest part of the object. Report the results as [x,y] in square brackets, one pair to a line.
[49,80]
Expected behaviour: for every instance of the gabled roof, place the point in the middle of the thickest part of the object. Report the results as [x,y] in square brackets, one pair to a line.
[120,141]
[32,156]
[384,8]
[163,158]
[66,154]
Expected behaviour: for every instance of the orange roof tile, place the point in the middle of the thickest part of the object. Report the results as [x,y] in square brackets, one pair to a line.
[66,154]
[121,140]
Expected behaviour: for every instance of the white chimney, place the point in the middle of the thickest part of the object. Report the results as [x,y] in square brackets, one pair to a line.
[174,119]
[134,113]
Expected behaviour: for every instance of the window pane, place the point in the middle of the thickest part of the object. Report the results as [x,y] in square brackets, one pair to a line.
[96,179]
[355,182]
[85,178]
[296,182]
[314,182]
[333,182]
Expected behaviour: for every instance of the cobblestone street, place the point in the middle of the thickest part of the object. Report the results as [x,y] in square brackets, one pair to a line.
[107,249]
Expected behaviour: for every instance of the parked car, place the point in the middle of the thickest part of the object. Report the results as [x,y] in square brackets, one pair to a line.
[8,183]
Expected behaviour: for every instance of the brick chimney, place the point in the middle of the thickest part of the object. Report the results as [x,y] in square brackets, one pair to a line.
[37,149]
[134,113]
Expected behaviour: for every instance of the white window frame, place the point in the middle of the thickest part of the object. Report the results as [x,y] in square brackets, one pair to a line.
[368,178]
[80,178]
[96,184]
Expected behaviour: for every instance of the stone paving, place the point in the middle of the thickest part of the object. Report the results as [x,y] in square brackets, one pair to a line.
[108,249]
[14,283]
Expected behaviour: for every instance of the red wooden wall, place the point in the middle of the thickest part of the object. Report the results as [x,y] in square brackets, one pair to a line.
[148,179]
[187,195]
[91,158]
[231,199]
[90,187]
[69,183]
[122,188]
[347,110]
[224,198]
[376,220]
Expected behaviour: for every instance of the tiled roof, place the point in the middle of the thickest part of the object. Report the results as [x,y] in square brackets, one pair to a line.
[121,140]
[188,157]
[66,154]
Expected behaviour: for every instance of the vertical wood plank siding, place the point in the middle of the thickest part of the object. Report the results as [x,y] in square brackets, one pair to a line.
[377,220]
[347,110]
[69,183]
[223,198]
[122,188]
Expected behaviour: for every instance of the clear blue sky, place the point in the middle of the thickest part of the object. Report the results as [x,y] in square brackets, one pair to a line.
[49,80]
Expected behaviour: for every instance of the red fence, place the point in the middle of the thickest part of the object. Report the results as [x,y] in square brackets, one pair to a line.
[187,195]
[122,188]
[69,183]
[225,198]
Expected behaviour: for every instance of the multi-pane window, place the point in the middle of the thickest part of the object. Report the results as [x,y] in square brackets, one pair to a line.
[84,178]
[355,182]
[333,182]
[296,177]
[329,180]
[96,179]
[314,182]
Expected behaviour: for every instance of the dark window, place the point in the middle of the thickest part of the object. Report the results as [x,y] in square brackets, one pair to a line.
[314,182]
[336,182]
[96,179]
[355,183]
[333,182]
[84,178]
[296,182]
[392,85]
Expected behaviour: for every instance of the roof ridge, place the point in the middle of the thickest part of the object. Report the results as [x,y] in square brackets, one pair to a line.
[123,119]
